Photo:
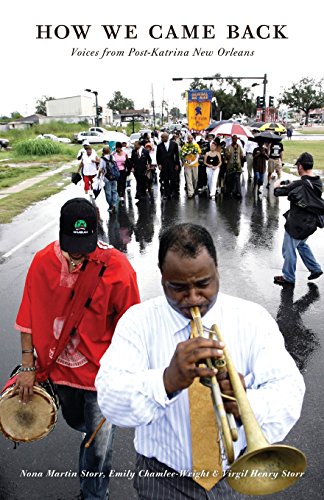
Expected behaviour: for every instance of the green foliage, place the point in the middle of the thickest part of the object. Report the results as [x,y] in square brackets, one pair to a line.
[41,105]
[39,147]
[15,115]
[10,176]
[175,112]
[137,127]
[119,102]
[58,128]
[305,95]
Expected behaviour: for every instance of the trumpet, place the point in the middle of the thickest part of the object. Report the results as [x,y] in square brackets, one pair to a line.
[260,455]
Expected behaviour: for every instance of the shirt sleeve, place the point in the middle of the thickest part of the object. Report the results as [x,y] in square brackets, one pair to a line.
[275,387]
[23,321]
[130,393]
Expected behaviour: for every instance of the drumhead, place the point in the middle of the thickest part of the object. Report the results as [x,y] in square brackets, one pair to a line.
[27,422]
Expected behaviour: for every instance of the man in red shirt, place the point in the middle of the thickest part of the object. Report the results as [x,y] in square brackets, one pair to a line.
[76,290]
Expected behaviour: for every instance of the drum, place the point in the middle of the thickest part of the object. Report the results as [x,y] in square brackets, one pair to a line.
[27,422]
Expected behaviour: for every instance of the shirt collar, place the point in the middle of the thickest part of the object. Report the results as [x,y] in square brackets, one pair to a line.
[177,323]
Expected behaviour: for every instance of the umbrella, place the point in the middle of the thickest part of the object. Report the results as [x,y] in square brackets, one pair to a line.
[274,126]
[230,129]
[255,124]
[215,123]
[267,136]
[113,136]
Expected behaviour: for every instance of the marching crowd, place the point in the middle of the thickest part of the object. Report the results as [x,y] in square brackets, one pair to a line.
[80,315]
[211,165]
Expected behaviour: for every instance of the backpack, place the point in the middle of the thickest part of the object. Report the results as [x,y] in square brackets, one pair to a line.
[112,171]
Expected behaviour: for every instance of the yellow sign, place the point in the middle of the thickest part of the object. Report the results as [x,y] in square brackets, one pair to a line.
[198,109]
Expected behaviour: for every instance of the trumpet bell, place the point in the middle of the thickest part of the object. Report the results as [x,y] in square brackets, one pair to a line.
[267,470]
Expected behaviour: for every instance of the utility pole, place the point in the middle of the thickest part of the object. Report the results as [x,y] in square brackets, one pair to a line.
[153,106]
[97,111]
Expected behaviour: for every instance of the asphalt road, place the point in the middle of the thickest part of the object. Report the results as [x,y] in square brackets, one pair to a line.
[248,236]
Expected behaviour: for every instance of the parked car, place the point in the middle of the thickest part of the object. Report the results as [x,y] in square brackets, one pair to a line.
[54,138]
[134,137]
[4,143]
[98,129]
[91,137]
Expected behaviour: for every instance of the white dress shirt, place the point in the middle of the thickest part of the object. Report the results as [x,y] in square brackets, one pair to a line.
[130,385]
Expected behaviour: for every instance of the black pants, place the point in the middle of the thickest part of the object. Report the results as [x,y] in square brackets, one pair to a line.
[233,183]
[170,181]
[121,183]
[150,486]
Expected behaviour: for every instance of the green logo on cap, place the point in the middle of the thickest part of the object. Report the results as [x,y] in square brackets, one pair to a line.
[80,223]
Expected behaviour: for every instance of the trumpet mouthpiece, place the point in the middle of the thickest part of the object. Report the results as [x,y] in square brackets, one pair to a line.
[195,312]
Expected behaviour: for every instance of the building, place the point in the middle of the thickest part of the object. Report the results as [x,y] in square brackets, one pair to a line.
[75,109]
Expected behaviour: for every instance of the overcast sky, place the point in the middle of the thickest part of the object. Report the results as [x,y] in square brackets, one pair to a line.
[34,67]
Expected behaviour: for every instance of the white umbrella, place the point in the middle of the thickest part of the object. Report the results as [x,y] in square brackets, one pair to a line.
[230,129]
[112,135]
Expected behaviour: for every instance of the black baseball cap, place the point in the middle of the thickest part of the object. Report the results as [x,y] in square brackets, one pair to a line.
[306,160]
[78,226]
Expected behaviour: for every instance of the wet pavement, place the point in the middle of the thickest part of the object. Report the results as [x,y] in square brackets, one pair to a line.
[248,236]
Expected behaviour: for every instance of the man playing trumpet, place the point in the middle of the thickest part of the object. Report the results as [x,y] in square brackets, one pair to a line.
[147,376]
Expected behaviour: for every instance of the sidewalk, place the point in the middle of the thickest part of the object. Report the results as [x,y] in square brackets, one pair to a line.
[33,180]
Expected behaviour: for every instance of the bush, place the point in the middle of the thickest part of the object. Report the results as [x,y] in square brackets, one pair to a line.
[39,147]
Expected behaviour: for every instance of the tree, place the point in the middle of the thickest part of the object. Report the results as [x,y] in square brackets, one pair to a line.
[175,113]
[41,105]
[305,95]
[119,102]
[15,115]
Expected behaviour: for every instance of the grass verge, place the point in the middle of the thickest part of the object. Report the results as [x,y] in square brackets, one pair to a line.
[16,203]
[11,176]
[293,149]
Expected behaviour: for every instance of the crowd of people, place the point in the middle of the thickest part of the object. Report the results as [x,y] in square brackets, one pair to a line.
[81,314]
[211,165]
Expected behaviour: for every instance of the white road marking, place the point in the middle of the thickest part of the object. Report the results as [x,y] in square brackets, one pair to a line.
[27,240]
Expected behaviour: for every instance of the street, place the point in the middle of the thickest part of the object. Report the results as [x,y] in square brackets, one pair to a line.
[248,236]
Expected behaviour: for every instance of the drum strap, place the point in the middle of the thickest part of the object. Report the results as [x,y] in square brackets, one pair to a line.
[80,299]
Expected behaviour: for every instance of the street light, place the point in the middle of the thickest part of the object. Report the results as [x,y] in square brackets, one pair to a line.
[96,94]
[215,77]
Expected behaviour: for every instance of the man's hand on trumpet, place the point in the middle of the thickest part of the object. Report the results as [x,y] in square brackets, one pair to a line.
[188,362]
[184,365]
[227,389]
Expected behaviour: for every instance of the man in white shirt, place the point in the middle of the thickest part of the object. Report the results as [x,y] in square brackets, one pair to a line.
[144,376]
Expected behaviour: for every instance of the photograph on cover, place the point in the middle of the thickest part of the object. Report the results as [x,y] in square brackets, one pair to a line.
[147,155]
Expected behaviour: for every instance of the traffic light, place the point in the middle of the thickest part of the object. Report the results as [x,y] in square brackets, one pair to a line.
[99,109]
[271,103]
[260,102]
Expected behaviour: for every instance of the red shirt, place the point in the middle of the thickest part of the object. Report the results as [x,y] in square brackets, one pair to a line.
[46,293]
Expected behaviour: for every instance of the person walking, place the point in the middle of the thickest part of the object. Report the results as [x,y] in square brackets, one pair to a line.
[300,222]
[156,388]
[235,157]
[76,290]
[120,157]
[275,160]
[168,161]
[212,160]
[141,162]
[260,157]
[189,154]
[89,167]
[110,180]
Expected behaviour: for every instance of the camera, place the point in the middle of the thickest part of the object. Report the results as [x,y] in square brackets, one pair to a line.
[284,183]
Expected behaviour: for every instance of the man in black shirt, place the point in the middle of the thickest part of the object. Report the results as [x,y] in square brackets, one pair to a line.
[300,223]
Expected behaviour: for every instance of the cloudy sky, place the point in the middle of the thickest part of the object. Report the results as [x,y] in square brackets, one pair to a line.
[34,67]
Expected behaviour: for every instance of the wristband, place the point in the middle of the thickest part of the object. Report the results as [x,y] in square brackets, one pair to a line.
[27,369]
[25,351]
